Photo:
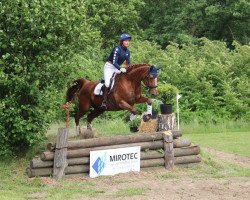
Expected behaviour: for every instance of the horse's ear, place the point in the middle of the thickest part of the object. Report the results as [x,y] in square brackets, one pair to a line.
[159,67]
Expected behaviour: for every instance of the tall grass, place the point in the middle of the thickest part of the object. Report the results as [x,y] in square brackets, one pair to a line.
[219,126]
[107,126]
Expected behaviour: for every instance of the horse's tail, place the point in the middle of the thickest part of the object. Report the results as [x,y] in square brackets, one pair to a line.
[74,88]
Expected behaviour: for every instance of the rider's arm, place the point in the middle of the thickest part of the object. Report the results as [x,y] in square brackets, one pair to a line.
[116,54]
[128,60]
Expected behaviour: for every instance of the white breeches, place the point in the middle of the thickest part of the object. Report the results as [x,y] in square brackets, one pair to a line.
[109,69]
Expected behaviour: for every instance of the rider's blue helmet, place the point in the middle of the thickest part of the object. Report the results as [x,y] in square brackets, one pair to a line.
[125,36]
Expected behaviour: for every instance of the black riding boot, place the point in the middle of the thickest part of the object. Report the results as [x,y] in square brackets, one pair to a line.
[105,95]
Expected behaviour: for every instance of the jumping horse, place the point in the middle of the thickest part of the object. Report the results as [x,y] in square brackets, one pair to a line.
[126,92]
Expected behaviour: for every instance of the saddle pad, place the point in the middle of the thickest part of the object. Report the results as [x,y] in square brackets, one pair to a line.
[98,87]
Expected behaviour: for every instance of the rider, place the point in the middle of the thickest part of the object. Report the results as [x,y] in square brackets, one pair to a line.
[119,54]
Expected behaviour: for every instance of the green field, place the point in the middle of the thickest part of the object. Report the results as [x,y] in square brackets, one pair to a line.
[231,142]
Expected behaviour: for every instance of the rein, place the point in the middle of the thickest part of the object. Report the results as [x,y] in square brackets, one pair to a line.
[147,85]
[147,82]
[118,77]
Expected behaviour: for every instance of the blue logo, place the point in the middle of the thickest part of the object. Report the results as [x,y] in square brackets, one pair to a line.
[100,164]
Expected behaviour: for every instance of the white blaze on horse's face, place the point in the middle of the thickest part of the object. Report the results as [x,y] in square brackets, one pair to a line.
[156,84]
[152,84]
[156,81]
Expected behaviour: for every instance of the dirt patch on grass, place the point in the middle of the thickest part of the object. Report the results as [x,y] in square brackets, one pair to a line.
[229,157]
[156,183]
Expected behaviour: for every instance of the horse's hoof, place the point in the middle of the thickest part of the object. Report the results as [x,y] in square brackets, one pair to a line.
[132,117]
[89,126]
[146,118]
[87,134]
[78,131]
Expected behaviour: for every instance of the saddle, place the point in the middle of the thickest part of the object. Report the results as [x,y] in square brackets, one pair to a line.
[98,91]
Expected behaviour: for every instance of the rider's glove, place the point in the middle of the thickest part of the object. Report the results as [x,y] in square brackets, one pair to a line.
[123,70]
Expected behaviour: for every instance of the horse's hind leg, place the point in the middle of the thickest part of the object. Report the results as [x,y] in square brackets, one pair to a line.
[78,115]
[91,116]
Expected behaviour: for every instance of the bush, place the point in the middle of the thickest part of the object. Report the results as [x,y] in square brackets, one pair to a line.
[167,92]
[210,77]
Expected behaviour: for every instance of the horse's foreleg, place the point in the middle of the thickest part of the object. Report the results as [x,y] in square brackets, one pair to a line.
[91,116]
[143,99]
[125,106]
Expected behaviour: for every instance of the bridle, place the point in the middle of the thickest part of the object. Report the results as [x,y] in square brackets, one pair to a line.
[149,87]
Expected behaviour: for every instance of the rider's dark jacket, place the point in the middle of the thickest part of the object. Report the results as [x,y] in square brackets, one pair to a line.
[118,55]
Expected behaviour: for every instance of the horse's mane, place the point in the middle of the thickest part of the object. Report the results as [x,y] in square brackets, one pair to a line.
[135,66]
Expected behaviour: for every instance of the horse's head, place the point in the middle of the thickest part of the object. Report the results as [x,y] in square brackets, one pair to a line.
[151,80]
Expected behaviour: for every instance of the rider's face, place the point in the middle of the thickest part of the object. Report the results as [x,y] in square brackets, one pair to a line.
[125,43]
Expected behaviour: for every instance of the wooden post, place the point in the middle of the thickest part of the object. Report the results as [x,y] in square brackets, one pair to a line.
[60,158]
[169,150]
[166,122]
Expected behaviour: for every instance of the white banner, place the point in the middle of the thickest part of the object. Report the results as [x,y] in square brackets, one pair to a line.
[114,161]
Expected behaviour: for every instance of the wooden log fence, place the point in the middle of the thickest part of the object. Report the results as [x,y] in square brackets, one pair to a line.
[75,169]
[178,152]
[65,158]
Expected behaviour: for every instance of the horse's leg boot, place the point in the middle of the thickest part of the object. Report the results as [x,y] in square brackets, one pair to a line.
[105,95]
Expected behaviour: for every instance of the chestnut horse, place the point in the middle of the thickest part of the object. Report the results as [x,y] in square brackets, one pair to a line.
[126,92]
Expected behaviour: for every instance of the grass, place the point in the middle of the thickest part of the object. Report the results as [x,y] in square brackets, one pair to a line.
[231,142]
[15,185]
[112,127]
[210,167]
[104,127]
[221,126]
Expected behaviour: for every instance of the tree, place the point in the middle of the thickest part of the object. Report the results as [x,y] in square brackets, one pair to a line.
[39,42]
[185,21]
[113,18]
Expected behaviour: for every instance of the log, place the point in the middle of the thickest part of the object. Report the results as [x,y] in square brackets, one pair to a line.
[184,151]
[178,152]
[76,169]
[117,140]
[144,145]
[38,163]
[166,122]
[182,142]
[39,172]
[177,160]
[168,150]
[86,152]
[152,163]
[187,159]
[60,158]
